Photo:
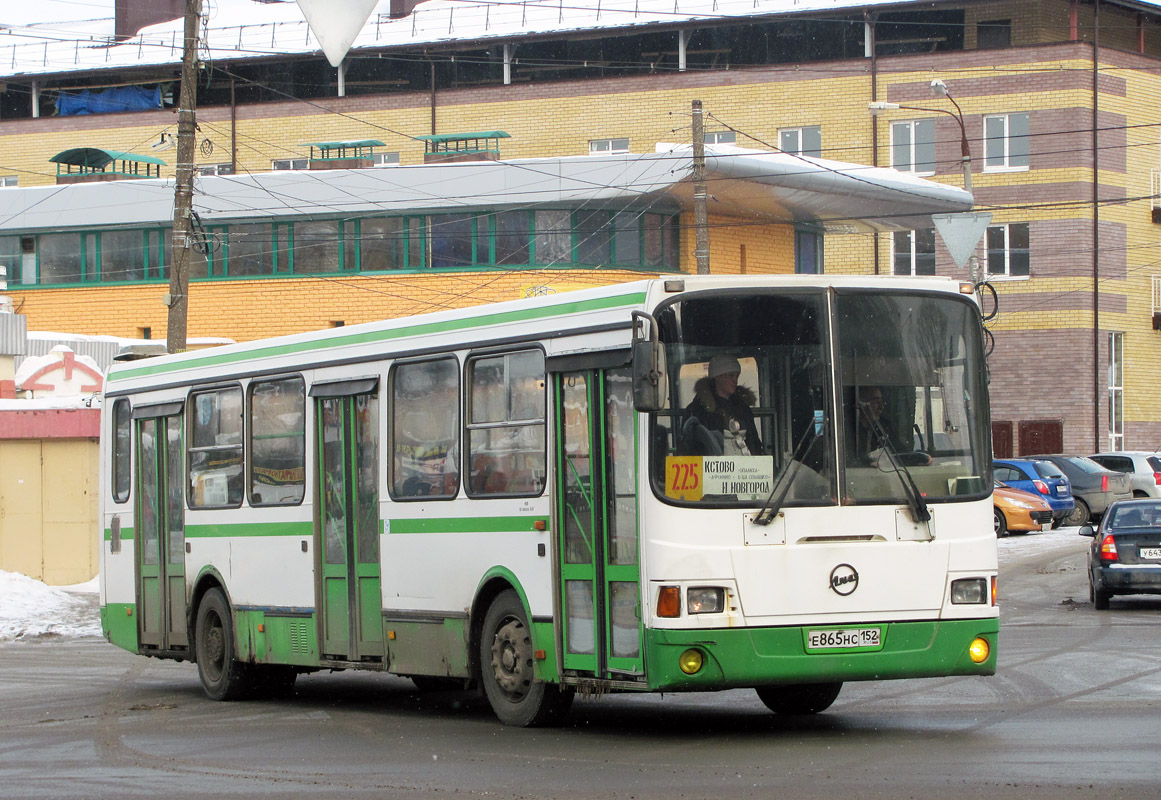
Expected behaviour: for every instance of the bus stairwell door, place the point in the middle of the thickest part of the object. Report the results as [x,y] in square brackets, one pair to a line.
[161,533]
[597,508]
[349,599]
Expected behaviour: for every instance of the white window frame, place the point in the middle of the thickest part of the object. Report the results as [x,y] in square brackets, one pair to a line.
[9,181]
[216,169]
[1003,150]
[290,163]
[385,159]
[1007,249]
[802,141]
[604,147]
[720,137]
[1116,377]
[912,252]
[913,127]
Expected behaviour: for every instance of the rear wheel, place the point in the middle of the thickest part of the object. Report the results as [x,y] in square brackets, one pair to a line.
[1100,599]
[223,677]
[1080,514]
[507,668]
[999,524]
[804,698]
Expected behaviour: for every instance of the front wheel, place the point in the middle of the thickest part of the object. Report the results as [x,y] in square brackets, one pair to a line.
[804,698]
[1079,515]
[507,668]
[223,677]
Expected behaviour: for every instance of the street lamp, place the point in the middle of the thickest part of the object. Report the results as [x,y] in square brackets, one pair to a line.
[939,88]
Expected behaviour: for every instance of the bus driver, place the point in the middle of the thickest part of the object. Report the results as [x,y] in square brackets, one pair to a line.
[721,420]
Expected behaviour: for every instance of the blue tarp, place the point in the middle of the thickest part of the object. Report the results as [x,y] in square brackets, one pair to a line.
[108,101]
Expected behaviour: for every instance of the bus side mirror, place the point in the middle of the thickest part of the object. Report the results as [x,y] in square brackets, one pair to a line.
[648,377]
[649,380]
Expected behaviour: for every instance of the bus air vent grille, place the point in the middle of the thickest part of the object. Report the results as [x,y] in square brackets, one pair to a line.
[299,638]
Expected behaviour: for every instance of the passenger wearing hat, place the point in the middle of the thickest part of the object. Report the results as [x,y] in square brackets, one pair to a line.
[721,418]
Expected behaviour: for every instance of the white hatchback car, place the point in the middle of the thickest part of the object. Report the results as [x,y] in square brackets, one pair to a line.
[1144,469]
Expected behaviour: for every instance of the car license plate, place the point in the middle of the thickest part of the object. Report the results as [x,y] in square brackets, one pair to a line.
[1061,490]
[844,639]
[1150,552]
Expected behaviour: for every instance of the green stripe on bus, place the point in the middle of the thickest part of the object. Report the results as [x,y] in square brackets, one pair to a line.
[467,524]
[249,529]
[426,328]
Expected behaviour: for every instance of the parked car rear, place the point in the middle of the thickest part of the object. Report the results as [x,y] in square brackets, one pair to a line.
[1094,487]
[1125,557]
[1017,510]
[1038,477]
[1143,469]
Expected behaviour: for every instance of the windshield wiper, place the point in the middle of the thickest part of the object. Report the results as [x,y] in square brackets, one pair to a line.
[919,510]
[781,488]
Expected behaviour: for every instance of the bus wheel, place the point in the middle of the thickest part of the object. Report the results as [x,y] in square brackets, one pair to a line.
[804,698]
[506,667]
[223,677]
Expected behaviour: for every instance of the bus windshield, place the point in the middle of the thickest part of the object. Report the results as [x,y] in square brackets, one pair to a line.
[757,407]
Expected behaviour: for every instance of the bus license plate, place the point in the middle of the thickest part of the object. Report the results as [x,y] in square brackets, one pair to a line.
[1150,552]
[844,638]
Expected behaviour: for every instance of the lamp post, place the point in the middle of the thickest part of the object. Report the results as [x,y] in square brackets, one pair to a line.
[964,230]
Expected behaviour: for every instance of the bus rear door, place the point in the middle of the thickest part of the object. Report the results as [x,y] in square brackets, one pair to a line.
[160,527]
[597,507]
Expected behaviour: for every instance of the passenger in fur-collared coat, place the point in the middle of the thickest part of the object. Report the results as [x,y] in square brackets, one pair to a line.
[721,418]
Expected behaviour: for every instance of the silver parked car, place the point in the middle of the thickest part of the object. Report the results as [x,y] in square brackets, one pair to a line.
[1143,469]
[1093,487]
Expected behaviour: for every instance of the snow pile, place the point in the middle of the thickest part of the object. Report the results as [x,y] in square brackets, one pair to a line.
[29,608]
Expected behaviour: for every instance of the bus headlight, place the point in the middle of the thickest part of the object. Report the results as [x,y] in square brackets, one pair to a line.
[979,650]
[705,599]
[691,661]
[969,591]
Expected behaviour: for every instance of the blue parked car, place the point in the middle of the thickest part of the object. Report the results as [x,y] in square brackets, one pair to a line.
[1038,477]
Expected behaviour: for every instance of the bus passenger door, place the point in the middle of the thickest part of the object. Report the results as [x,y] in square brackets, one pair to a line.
[597,507]
[349,602]
[160,528]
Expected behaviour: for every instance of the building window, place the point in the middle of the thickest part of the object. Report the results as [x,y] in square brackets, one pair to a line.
[1008,250]
[913,146]
[9,180]
[801,141]
[290,163]
[1116,391]
[1006,142]
[601,147]
[384,159]
[216,169]
[720,137]
[914,252]
[994,33]
[807,251]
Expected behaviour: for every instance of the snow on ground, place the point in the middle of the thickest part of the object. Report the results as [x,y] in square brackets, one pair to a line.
[29,608]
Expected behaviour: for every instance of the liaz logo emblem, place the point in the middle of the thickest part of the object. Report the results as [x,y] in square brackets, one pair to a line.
[844,579]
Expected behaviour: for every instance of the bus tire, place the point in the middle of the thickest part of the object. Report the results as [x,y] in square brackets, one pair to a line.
[507,668]
[223,676]
[800,699]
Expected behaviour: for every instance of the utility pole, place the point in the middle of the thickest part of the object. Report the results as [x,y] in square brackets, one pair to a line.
[700,214]
[178,297]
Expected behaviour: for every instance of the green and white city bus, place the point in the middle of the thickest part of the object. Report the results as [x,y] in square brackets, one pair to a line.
[525,497]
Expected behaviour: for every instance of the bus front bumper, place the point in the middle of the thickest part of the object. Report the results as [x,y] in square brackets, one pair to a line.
[734,658]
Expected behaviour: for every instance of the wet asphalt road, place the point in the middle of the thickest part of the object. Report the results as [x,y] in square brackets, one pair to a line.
[1075,712]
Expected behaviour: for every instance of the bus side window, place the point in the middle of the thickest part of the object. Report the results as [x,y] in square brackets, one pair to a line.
[506,427]
[277,442]
[215,450]
[425,430]
[122,448]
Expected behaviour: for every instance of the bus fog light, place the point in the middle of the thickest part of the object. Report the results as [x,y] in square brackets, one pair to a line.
[979,650]
[691,661]
[969,591]
[705,599]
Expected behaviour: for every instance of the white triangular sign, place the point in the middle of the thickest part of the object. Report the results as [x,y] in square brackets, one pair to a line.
[960,232]
[336,25]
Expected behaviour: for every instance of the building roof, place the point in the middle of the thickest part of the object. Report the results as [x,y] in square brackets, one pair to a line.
[244,29]
[772,187]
